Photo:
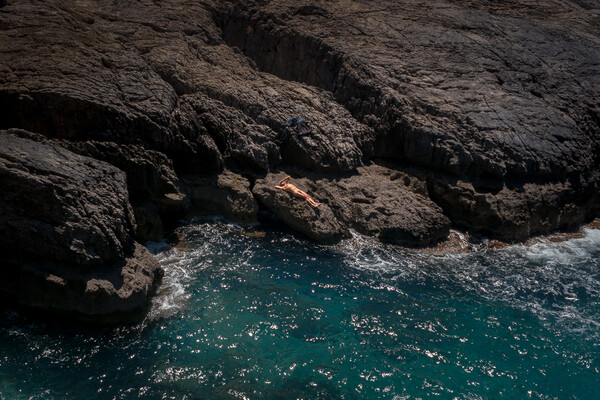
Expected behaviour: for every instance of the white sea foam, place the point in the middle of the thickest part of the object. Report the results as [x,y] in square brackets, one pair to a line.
[171,296]
[577,250]
[557,281]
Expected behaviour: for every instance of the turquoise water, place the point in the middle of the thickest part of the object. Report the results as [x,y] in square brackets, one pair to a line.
[277,317]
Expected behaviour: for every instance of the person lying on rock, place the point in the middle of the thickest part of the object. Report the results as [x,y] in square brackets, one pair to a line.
[285,184]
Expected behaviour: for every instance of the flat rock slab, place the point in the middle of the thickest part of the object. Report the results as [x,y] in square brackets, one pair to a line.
[318,223]
[375,204]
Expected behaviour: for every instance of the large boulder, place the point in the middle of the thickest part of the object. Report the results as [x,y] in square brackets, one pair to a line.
[226,194]
[374,203]
[318,223]
[155,193]
[66,224]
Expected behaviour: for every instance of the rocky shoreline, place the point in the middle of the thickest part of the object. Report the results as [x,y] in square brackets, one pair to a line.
[120,120]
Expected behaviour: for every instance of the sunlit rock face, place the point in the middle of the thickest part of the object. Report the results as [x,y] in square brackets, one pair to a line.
[489,111]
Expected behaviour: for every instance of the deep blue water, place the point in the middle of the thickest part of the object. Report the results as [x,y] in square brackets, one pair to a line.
[275,317]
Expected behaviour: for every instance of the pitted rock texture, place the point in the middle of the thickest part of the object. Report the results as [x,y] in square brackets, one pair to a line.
[467,87]
[107,296]
[501,98]
[508,214]
[63,217]
[61,206]
[155,193]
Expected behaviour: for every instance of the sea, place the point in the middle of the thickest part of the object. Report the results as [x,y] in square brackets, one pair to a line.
[267,314]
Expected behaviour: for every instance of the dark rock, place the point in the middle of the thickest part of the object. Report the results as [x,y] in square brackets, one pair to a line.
[151,183]
[427,77]
[226,194]
[66,225]
[237,136]
[504,99]
[516,214]
[374,204]
[317,223]
[108,296]
[149,226]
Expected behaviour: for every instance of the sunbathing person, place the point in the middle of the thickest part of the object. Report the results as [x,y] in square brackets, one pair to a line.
[285,184]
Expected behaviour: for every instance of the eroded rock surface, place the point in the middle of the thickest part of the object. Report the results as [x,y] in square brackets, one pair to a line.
[375,204]
[226,194]
[66,228]
[318,223]
[496,105]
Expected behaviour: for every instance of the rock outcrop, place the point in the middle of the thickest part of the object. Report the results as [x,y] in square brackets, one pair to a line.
[226,194]
[491,109]
[375,203]
[66,228]
[318,223]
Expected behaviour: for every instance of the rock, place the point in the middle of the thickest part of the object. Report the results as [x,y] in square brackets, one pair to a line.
[500,99]
[155,192]
[241,140]
[509,214]
[318,223]
[151,183]
[226,194]
[66,224]
[109,296]
[375,205]
[447,86]
[149,226]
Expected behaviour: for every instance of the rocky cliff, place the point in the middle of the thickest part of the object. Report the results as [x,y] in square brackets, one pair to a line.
[66,225]
[479,114]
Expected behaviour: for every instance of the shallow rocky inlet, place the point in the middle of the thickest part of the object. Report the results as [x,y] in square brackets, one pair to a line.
[120,119]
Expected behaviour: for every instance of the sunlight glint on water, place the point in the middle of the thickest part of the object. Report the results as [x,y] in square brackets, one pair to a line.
[279,317]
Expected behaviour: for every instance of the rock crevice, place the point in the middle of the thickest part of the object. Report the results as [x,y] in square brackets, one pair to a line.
[478,114]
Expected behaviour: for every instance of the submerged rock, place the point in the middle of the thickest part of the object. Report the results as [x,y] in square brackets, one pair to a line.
[66,228]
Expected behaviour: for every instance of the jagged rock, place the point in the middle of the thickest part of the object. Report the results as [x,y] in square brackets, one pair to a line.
[462,86]
[154,190]
[374,204]
[515,214]
[107,296]
[317,223]
[151,183]
[226,194]
[237,136]
[66,225]
[149,226]
[499,97]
